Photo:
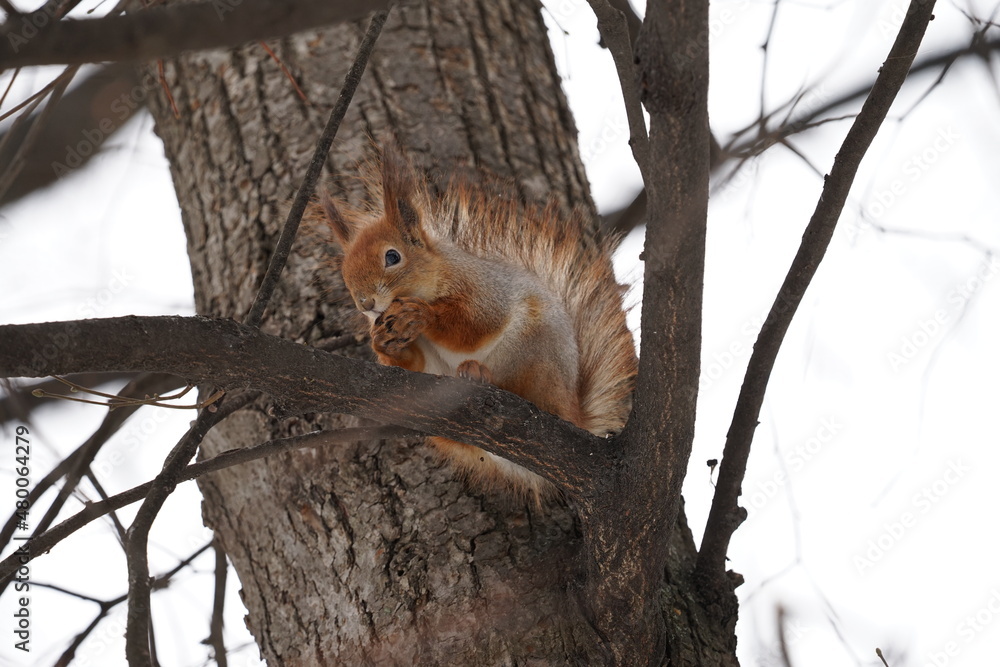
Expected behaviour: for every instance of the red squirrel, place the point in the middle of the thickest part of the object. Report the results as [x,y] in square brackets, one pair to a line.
[475,284]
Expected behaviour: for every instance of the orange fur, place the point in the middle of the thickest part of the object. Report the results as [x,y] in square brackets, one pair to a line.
[493,290]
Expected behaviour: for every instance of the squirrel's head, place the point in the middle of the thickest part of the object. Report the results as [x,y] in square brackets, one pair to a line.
[391,255]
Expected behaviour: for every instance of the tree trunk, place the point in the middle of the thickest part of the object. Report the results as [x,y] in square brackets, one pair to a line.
[375,553]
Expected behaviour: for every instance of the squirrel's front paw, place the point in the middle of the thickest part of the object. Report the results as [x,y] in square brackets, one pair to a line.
[470,369]
[401,323]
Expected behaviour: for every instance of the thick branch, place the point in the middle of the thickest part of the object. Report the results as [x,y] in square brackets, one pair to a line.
[303,379]
[726,515]
[626,552]
[159,32]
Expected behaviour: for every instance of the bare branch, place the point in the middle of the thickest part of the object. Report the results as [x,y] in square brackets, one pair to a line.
[215,638]
[35,126]
[79,127]
[159,32]
[18,401]
[613,25]
[140,647]
[786,658]
[622,221]
[765,47]
[26,126]
[138,632]
[41,544]
[115,521]
[162,581]
[726,515]
[978,46]
[81,460]
[626,219]
[33,100]
[631,18]
[77,464]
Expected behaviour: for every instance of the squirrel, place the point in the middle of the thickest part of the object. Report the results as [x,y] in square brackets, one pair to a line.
[475,284]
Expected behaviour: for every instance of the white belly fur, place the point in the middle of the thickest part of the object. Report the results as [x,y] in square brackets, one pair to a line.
[441,361]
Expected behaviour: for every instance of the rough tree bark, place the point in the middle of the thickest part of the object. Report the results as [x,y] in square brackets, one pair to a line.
[374,553]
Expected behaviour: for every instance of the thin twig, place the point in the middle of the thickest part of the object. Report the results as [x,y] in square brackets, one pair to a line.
[786,658]
[10,85]
[162,76]
[35,97]
[284,70]
[107,605]
[215,637]
[765,47]
[978,46]
[726,515]
[613,26]
[67,656]
[115,401]
[29,105]
[761,141]
[82,109]
[77,464]
[17,162]
[41,544]
[66,591]
[308,186]
[15,404]
[115,521]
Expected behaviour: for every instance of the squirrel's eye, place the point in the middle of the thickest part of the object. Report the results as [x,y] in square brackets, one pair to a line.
[392,257]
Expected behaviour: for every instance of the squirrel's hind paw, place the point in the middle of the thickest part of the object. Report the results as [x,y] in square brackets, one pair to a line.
[470,369]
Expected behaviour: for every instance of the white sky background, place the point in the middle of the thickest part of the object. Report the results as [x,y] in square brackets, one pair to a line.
[870,481]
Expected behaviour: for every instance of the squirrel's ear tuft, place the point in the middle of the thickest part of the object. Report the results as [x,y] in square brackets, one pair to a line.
[341,228]
[399,184]
[398,180]
[409,223]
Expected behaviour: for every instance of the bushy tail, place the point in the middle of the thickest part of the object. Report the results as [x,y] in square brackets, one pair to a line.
[566,254]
